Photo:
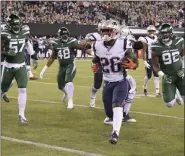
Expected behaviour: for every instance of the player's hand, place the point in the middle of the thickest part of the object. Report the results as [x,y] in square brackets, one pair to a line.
[95,67]
[11,52]
[35,64]
[43,71]
[180,73]
[129,65]
[167,79]
[147,65]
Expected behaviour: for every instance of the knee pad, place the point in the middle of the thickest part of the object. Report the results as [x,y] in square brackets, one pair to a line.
[28,68]
[22,90]
[171,103]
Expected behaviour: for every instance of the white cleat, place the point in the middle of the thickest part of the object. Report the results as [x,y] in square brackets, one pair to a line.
[108,121]
[179,100]
[70,104]
[92,101]
[22,120]
[64,98]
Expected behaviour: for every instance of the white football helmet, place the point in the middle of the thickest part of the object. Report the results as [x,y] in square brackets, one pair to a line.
[151,30]
[110,30]
[3,26]
[100,24]
[125,31]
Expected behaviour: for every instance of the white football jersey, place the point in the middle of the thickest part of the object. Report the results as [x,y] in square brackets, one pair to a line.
[41,43]
[110,58]
[93,36]
[149,42]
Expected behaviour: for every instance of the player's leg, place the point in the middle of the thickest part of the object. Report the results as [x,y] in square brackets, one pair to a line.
[98,78]
[169,91]
[107,101]
[6,80]
[147,77]
[70,74]
[61,82]
[120,93]
[156,83]
[22,80]
[129,100]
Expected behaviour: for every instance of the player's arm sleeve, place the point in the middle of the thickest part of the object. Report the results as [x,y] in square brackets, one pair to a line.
[29,48]
[96,59]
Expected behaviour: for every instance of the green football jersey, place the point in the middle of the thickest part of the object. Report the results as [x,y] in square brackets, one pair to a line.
[15,42]
[169,56]
[64,50]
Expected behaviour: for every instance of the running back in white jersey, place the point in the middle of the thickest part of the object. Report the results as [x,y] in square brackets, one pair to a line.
[93,36]
[110,59]
[148,40]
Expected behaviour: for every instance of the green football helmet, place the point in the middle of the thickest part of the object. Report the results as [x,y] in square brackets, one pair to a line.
[14,23]
[64,34]
[165,33]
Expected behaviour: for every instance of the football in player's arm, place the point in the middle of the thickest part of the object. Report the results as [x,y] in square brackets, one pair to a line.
[167,55]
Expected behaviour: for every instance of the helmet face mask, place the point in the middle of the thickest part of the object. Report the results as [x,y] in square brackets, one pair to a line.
[14,23]
[64,34]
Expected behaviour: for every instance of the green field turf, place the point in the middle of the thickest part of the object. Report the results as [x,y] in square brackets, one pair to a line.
[159,130]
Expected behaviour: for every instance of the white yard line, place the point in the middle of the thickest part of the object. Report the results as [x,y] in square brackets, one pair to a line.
[38,144]
[86,106]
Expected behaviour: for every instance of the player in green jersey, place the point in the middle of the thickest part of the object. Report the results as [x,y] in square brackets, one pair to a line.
[62,49]
[14,41]
[168,59]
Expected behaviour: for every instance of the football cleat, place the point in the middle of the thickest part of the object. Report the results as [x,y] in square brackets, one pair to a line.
[5,98]
[33,78]
[92,101]
[22,120]
[127,118]
[145,92]
[64,98]
[114,138]
[108,121]
[158,95]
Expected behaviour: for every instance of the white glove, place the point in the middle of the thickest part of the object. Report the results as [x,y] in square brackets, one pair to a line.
[43,71]
[147,65]
[160,73]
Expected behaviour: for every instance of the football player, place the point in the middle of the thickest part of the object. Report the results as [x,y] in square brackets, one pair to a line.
[109,52]
[61,49]
[92,37]
[147,57]
[168,59]
[14,40]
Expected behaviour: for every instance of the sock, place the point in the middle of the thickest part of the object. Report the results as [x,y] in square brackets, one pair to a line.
[156,83]
[127,108]
[145,82]
[94,90]
[22,97]
[70,90]
[30,73]
[117,119]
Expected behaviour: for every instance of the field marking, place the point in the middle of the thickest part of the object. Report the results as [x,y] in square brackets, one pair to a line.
[38,144]
[85,106]
[51,83]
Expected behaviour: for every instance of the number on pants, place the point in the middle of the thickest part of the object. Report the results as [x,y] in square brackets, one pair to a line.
[170,58]
[64,53]
[111,65]
[14,45]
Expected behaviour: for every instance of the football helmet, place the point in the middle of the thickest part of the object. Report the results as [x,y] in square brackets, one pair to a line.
[151,31]
[100,25]
[125,31]
[26,27]
[165,33]
[64,34]
[14,23]
[110,30]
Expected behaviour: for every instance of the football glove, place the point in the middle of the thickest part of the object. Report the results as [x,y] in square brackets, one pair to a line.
[129,65]
[11,52]
[147,65]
